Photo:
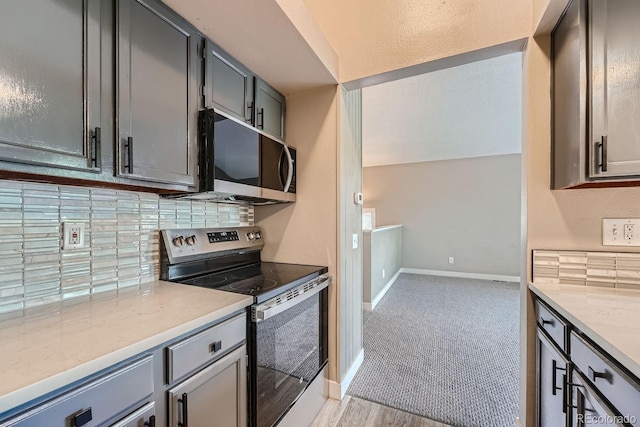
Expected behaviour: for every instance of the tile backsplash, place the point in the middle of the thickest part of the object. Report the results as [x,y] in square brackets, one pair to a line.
[609,269]
[121,240]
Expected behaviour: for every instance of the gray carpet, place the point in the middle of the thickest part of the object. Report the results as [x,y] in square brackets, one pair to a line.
[444,348]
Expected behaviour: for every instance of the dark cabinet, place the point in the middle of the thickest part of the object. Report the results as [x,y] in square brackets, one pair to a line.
[229,85]
[111,96]
[233,89]
[157,87]
[50,83]
[551,383]
[615,88]
[596,93]
[270,110]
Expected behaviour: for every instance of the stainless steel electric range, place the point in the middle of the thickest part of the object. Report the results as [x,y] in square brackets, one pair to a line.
[287,323]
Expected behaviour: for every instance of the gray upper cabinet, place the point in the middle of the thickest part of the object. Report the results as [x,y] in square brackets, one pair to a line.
[157,94]
[615,87]
[270,110]
[50,83]
[596,94]
[229,85]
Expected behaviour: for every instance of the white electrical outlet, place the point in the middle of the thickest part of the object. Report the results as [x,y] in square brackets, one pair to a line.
[73,235]
[450,260]
[355,241]
[621,232]
[384,273]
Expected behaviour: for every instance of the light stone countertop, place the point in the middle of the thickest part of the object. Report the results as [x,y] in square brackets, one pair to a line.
[609,316]
[63,343]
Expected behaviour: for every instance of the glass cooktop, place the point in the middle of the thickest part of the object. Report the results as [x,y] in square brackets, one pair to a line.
[263,280]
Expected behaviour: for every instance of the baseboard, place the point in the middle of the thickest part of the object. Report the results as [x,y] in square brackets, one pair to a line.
[370,306]
[461,274]
[338,390]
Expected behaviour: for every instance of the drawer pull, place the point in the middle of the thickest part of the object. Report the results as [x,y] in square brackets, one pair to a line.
[547,322]
[593,375]
[185,415]
[554,377]
[215,347]
[82,418]
[151,422]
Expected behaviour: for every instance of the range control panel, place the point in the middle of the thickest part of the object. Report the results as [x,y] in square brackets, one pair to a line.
[190,244]
[223,236]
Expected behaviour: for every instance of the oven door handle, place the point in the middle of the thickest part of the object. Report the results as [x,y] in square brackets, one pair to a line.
[264,311]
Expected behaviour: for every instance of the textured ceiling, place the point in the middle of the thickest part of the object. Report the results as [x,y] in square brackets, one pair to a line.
[471,110]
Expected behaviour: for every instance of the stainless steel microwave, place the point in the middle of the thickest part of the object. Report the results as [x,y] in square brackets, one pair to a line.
[241,164]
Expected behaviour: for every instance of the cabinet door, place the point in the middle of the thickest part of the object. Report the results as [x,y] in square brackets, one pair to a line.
[229,85]
[270,110]
[157,94]
[217,395]
[551,380]
[50,82]
[615,88]
[589,408]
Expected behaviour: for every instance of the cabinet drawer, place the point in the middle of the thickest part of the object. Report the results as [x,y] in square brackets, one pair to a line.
[104,398]
[619,388]
[551,324]
[138,418]
[191,353]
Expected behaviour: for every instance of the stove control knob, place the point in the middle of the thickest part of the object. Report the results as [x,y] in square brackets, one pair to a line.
[251,236]
[178,241]
[191,240]
[258,235]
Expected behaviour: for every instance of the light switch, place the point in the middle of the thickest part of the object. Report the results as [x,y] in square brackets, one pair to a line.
[621,232]
[355,241]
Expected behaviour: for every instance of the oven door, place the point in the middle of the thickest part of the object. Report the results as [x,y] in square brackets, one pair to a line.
[289,350]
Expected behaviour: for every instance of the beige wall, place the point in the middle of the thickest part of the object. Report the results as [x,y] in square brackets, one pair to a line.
[306,232]
[465,208]
[375,37]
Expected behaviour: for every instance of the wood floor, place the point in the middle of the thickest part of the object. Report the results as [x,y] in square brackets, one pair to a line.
[354,412]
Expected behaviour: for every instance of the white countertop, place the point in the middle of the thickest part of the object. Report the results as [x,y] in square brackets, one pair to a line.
[44,351]
[609,316]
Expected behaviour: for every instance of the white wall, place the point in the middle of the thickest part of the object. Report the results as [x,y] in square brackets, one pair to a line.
[468,209]
[470,110]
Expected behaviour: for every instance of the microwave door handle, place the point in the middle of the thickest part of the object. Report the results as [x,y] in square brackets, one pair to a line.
[290,171]
[280,164]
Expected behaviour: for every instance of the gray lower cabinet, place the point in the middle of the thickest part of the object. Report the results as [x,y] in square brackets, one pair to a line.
[216,395]
[584,386]
[588,408]
[596,94]
[229,85]
[270,110]
[551,383]
[157,88]
[50,82]
[96,402]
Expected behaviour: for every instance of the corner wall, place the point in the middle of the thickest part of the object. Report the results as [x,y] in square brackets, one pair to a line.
[468,209]
[306,232]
